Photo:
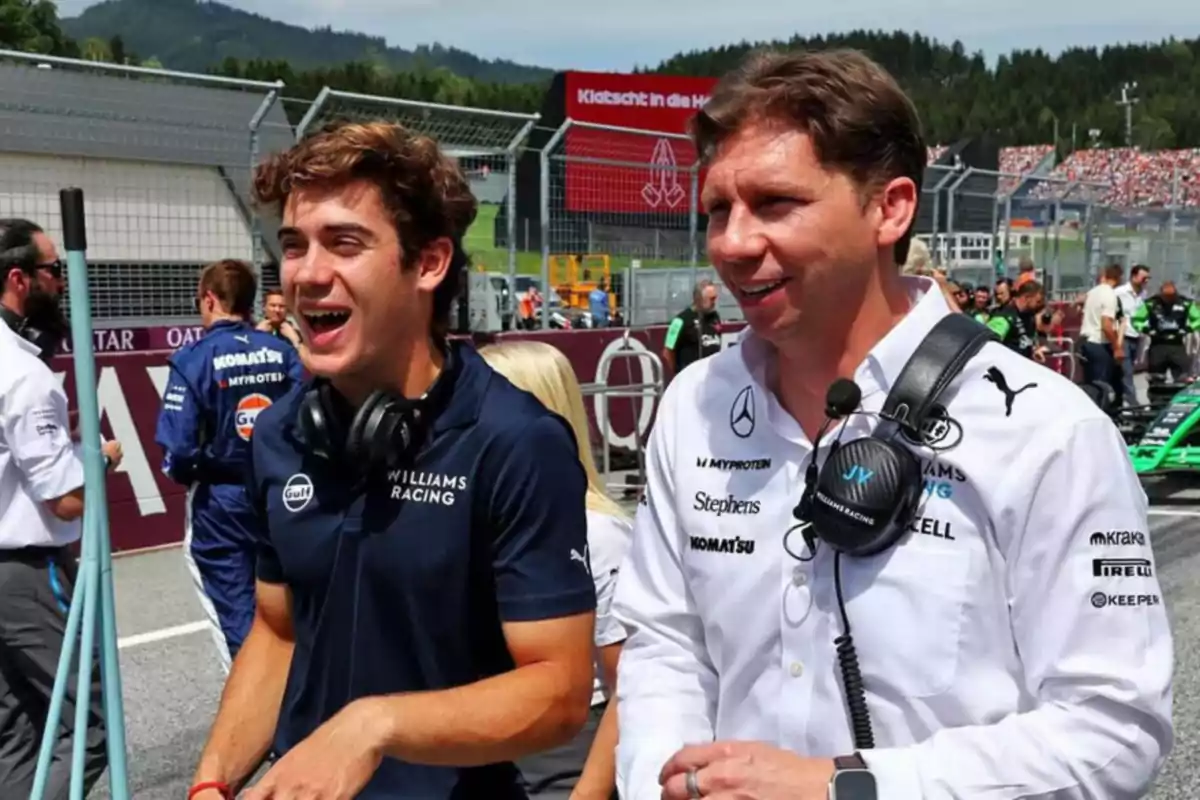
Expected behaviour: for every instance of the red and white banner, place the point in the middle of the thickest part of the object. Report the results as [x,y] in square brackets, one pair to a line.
[652,173]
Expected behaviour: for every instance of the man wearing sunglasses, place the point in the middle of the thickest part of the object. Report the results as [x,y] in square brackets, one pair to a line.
[41,503]
[33,286]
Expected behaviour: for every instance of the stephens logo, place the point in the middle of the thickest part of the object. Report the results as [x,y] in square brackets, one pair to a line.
[741,413]
[297,492]
[248,409]
[725,505]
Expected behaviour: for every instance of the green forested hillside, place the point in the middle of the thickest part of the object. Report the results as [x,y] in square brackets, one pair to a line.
[1025,98]
[193,35]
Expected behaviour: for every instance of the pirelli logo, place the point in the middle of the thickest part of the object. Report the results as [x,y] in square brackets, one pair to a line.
[1122,568]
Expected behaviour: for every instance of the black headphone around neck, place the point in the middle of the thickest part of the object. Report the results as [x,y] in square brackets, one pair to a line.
[867,492]
[383,433]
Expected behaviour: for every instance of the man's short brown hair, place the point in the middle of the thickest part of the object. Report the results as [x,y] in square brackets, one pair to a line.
[273,291]
[424,191]
[857,116]
[1114,272]
[233,283]
[1030,289]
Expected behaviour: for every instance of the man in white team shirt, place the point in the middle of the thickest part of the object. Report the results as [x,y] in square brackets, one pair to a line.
[41,503]
[1013,644]
[1100,332]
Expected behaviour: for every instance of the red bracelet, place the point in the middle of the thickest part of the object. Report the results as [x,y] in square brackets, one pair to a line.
[223,788]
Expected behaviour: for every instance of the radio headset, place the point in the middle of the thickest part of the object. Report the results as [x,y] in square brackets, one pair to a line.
[861,501]
[383,433]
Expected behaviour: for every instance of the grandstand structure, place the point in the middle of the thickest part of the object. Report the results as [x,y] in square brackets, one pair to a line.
[987,207]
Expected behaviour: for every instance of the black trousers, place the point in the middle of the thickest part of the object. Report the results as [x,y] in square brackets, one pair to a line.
[36,585]
[1168,356]
[1100,365]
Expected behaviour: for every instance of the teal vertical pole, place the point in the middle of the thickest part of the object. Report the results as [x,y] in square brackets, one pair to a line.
[93,602]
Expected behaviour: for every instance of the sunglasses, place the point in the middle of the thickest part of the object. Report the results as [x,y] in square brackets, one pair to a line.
[55,268]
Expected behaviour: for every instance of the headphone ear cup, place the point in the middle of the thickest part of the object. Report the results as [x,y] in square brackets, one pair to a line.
[866,494]
[319,422]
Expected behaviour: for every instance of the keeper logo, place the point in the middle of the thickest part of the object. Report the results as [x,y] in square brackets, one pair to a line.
[1102,600]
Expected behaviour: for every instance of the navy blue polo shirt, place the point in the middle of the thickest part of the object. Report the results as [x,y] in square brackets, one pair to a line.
[400,580]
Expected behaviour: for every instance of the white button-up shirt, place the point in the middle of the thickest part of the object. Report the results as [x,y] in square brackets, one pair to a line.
[1130,301]
[38,461]
[1013,645]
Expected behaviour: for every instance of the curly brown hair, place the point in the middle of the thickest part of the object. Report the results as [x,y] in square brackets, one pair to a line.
[423,189]
[859,119]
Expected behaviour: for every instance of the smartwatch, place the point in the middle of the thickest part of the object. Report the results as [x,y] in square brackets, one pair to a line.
[852,780]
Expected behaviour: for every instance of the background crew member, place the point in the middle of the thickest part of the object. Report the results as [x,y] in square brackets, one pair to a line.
[1011,643]
[41,503]
[692,334]
[217,388]
[425,610]
[275,321]
[544,371]
[1131,295]
[1016,323]
[1100,340]
[1167,318]
[982,303]
[1002,294]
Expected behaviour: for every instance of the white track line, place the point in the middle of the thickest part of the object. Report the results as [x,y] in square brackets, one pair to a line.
[160,635]
[1172,512]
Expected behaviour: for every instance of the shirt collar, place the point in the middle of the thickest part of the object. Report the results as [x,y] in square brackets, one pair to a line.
[881,368]
[20,341]
[227,325]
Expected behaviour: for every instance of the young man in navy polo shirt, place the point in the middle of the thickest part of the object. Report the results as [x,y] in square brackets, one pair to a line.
[425,609]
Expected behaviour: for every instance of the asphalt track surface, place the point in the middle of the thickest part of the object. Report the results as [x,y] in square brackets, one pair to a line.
[172,680]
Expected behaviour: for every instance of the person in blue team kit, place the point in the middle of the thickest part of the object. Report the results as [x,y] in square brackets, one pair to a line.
[217,388]
[425,603]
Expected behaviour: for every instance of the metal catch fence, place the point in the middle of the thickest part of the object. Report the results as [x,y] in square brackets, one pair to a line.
[486,144]
[164,159]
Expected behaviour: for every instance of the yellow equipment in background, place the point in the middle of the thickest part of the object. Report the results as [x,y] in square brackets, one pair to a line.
[574,277]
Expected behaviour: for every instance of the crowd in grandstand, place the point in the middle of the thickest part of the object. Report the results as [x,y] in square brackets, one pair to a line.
[1121,177]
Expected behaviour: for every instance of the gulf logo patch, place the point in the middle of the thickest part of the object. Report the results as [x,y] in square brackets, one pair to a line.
[248,409]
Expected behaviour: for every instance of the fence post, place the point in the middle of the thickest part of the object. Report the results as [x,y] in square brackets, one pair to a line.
[318,105]
[256,244]
[694,214]
[544,222]
[517,142]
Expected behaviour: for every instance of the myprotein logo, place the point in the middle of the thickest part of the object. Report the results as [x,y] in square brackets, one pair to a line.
[1117,538]
[733,464]
[741,413]
[1122,568]
[297,492]
[725,505]
[253,379]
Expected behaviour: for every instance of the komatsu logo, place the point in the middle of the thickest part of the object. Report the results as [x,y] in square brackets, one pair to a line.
[255,358]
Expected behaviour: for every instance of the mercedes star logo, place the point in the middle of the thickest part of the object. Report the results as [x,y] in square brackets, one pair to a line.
[741,415]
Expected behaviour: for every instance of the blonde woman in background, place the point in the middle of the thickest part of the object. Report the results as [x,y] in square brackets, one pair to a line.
[920,262]
[584,769]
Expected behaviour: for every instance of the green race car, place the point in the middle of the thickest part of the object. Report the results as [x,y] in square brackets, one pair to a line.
[1164,437]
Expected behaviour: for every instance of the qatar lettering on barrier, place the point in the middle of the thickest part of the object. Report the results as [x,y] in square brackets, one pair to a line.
[146,508]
